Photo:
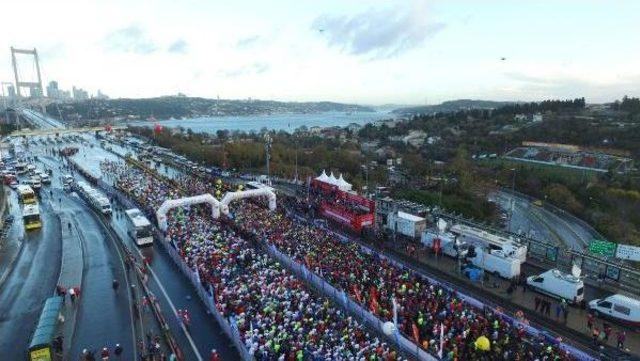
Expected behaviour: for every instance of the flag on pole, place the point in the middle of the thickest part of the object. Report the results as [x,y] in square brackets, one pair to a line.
[373,295]
[356,292]
[395,312]
[416,333]
[441,340]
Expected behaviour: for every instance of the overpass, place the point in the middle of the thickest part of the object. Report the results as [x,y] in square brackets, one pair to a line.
[38,119]
[59,131]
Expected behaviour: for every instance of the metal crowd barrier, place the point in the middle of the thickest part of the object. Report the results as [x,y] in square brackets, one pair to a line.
[341,298]
[228,326]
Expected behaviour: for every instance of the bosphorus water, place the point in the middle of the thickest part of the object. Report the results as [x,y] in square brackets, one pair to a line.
[286,122]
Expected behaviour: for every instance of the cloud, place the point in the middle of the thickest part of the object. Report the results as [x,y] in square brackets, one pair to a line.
[563,86]
[380,33]
[179,46]
[53,52]
[252,69]
[247,42]
[131,39]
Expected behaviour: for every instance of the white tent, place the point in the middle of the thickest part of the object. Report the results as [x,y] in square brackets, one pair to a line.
[323,177]
[343,184]
[332,179]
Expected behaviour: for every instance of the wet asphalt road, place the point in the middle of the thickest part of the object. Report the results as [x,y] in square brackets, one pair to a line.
[30,283]
[104,316]
[171,288]
[543,224]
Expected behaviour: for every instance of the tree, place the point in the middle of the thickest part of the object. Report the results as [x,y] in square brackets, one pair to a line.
[222,134]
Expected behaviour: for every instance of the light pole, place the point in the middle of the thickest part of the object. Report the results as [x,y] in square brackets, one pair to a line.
[267,148]
[296,141]
[513,197]
[366,176]
[4,99]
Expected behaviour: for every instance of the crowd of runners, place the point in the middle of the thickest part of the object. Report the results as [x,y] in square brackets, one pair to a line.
[275,313]
[280,319]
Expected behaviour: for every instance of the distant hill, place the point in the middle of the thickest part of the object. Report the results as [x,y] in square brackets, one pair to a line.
[187,107]
[450,106]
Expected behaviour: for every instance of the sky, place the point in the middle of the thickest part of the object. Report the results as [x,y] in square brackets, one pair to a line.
[366,52]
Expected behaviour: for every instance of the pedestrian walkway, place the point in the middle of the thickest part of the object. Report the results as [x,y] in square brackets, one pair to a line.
[70,279]
[11,232]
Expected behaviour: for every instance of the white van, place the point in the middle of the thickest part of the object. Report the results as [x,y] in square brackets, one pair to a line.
[617,307]
[559,285]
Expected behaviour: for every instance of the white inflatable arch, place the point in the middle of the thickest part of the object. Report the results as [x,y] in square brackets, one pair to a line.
[232,196]
[169,204]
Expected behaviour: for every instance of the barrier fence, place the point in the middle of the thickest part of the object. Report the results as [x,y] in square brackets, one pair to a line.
[612,275]
[228,326]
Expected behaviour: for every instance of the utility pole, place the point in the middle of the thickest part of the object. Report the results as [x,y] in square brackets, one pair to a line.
[296,160]
[513,197]
[267,148]
[366,175]
[4,100]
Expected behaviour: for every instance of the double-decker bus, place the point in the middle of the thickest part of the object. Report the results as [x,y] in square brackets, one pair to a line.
[31,216]
[138,227]
[26,194]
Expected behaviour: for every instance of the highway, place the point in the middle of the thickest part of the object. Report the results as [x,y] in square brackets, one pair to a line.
[40,120]
[104,317]
[101,318]
[166,282]
[540,223]
[30,282]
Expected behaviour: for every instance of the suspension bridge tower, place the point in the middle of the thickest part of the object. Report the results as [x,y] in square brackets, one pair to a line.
[35,87]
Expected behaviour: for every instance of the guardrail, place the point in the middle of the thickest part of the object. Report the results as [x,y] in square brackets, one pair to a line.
[206,296]
[608,275]
[558,211]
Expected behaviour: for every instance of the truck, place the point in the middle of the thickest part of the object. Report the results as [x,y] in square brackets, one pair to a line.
[479,237]
[447,241]
[406,224]
[496,262]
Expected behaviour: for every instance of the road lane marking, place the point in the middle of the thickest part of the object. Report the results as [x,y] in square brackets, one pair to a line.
[173,308]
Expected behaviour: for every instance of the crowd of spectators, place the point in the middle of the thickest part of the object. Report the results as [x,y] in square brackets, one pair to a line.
[277,317]
[373,281]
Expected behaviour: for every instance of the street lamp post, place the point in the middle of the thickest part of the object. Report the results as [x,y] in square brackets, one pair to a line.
[267,147]
[366,176]
[513,197]
[296,140]
[4,99]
